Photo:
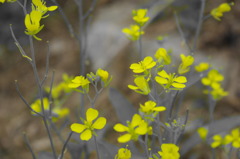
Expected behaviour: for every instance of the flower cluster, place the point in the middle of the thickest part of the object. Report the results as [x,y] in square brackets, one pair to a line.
[217,13]
[233,138]
[134,128]
[56,112]
[62,87]
[213,80]
[169,81]
[82,82]
[32,20]
[135,31]
[89,125]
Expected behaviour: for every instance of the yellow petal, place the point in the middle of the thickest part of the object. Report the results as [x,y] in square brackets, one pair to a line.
[159,109]
[163,74]
[86,135]
[91,114]
[161,80]
[78,128]
[120,127]
[180,79]
[52,8]
[178,85]
[99,123]
[136,120]
[124,138]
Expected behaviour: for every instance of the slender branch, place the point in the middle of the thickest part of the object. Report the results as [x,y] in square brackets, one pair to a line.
[182,33]
[29,145]
[199,26]
[41,95]
[95,140]
[47,66]
[50,93]
[91,9]
[140,45]
[65,144]
[66,20]
[24,100]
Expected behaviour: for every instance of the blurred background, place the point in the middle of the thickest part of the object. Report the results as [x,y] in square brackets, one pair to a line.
[108,48]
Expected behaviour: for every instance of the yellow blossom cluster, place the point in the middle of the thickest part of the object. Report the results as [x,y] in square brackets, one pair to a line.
[233,138]
[32,20]
[135,31]
[82,82]
[217,13]
[56,112]
[169,81]
[213,80]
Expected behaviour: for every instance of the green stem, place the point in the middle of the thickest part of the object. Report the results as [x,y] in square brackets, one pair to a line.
[95,140]
[41,94]
[199,26]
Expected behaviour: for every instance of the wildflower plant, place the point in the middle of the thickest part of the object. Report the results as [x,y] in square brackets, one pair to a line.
[157,125]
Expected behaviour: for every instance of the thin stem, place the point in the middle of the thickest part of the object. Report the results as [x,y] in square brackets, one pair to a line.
[199,26]
[140,45]
[182,33]
[65,144]
[41,95]
[50,94]
[47,65]
[91,9]
[146,144]
[66,20]
[95,140]
[29,145]
[24,100]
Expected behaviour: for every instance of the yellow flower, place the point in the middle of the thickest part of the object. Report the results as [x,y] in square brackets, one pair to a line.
[217,13]
[218,93]
[36,106]
[57,112]
[150,107]
[169,151]
[186,62]
[142,85]
[139,16]
[202,132]
[217,141]
[133,33]
[162,55]
[89,125]
[202,67]
[144,65]
[233,138]
[80,81]
[123,153]
[168,81]
[104,75]
[213,78]
[134,128]
[9,1]
[32,23]
[41,6]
